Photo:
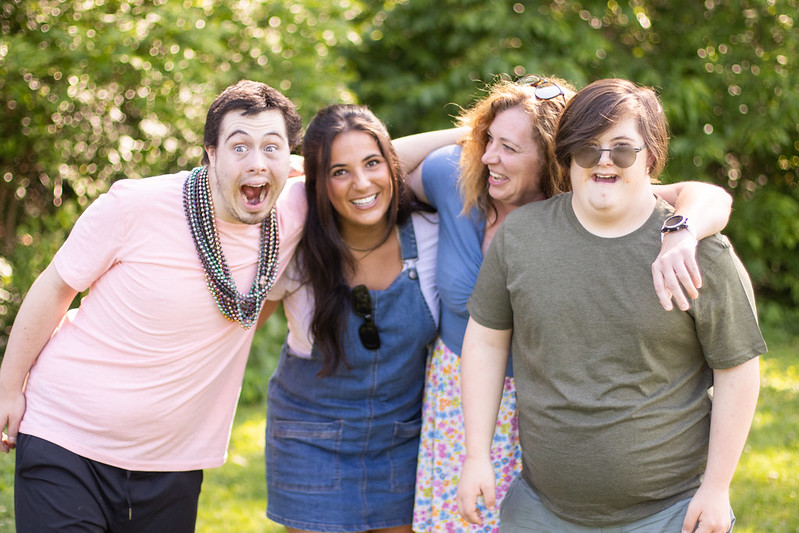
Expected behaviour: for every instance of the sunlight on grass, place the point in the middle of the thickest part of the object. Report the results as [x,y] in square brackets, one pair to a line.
[234,496]
[765,491]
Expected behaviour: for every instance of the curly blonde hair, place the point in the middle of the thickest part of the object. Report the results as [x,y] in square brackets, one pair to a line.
[502,95]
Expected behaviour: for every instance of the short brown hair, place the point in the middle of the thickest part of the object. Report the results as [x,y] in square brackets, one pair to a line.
[251,97]
[604,103]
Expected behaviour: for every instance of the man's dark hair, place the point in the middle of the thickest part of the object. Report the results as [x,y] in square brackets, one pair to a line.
[251,97]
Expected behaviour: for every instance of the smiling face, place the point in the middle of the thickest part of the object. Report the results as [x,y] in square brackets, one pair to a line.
[359,184]
[607,192]
[249,165]
[513,159]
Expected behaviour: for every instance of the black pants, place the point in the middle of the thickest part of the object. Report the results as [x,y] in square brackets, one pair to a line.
[57,490]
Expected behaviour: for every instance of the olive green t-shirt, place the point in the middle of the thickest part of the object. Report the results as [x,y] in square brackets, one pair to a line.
[612,390]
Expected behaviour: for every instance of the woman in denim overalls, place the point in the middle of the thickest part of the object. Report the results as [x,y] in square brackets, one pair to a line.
[344,405]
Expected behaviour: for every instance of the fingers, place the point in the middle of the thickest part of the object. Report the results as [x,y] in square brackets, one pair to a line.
[467,507]
[675,272]
[7,443]
[691,519]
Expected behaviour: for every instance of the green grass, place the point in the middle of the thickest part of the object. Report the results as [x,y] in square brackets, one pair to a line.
[765,492]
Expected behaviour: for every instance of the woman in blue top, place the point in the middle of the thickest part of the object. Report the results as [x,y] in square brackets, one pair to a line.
[344,405]
[507,160]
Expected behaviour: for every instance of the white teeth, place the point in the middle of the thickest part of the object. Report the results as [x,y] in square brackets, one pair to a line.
[365,200]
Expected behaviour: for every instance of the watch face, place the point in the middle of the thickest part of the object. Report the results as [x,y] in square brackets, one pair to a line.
[675,222]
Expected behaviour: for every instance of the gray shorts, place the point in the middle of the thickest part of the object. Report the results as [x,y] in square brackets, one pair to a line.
[523,512]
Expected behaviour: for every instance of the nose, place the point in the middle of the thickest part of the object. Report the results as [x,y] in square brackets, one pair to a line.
[359,179]
[491,154]
[605,157]
[258,161]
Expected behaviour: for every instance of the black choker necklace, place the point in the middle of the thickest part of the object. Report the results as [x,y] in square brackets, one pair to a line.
[199,209]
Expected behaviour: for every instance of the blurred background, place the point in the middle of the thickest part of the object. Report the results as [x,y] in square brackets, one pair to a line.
[92,91]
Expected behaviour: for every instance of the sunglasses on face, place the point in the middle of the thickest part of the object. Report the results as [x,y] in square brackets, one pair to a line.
[362,305]
[623,156]
[544,89]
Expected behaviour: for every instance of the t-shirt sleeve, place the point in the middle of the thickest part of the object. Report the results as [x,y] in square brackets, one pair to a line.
[95,243]
[292,208]
[440,174]
[725,312]
[490,304]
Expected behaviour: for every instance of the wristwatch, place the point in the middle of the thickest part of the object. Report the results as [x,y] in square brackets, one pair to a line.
[676,223]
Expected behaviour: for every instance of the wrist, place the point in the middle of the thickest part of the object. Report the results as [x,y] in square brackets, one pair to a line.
[675,224]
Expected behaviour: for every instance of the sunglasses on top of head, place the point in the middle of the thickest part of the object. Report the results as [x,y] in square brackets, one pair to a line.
[544,89]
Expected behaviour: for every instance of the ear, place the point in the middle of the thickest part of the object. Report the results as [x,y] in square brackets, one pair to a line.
[211,151]
[650,163]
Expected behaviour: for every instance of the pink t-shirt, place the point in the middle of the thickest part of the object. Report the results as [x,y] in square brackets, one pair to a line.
[146,373]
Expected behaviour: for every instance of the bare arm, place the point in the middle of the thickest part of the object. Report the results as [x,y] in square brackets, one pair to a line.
[40,313]
[707,208]
[735,392]
[267,310]
[483,361]
[412,150]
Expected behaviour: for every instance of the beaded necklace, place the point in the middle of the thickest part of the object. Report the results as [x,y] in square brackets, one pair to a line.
[199,208]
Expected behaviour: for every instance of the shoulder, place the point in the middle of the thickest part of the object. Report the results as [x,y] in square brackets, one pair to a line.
[292,200]
[444,158]
[292,205]
[147,191]
[440,171]
[550,209]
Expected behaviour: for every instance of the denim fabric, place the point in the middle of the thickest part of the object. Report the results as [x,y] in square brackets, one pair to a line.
[341,450]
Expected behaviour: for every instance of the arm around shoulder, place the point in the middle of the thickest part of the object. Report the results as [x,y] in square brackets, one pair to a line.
[706,206]
[675,272]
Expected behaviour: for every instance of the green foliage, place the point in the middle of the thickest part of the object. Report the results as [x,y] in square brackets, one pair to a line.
[94,91]
[725,70]
[263,359]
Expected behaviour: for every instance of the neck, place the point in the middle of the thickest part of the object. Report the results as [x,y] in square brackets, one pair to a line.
[365,239]
[610,223]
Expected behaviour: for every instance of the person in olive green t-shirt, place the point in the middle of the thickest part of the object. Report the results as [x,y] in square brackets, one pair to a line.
[613,391]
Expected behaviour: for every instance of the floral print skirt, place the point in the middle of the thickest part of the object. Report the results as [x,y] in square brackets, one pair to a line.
[442,450]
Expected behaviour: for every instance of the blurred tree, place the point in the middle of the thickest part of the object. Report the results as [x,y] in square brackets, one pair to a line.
[96,90]
[93,91]
[725,70]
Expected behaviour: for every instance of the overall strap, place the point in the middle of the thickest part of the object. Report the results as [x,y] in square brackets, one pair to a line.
[408,247]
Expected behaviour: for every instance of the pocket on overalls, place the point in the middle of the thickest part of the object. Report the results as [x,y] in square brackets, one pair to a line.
[304,456]
[403,453]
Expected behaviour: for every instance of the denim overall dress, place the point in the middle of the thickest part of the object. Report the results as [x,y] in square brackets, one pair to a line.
[341,450]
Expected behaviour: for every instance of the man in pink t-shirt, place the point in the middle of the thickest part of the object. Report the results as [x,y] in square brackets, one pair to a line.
[117,406]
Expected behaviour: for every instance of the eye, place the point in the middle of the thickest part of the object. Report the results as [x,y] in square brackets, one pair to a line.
[272,148]
[372,163]
[240,149]
[509,148]
[338,172]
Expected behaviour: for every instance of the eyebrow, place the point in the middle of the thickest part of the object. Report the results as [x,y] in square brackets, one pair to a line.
[367,158]
[247,134]
[503,140]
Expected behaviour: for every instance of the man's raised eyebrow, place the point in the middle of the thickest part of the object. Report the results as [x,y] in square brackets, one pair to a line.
[246,134]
